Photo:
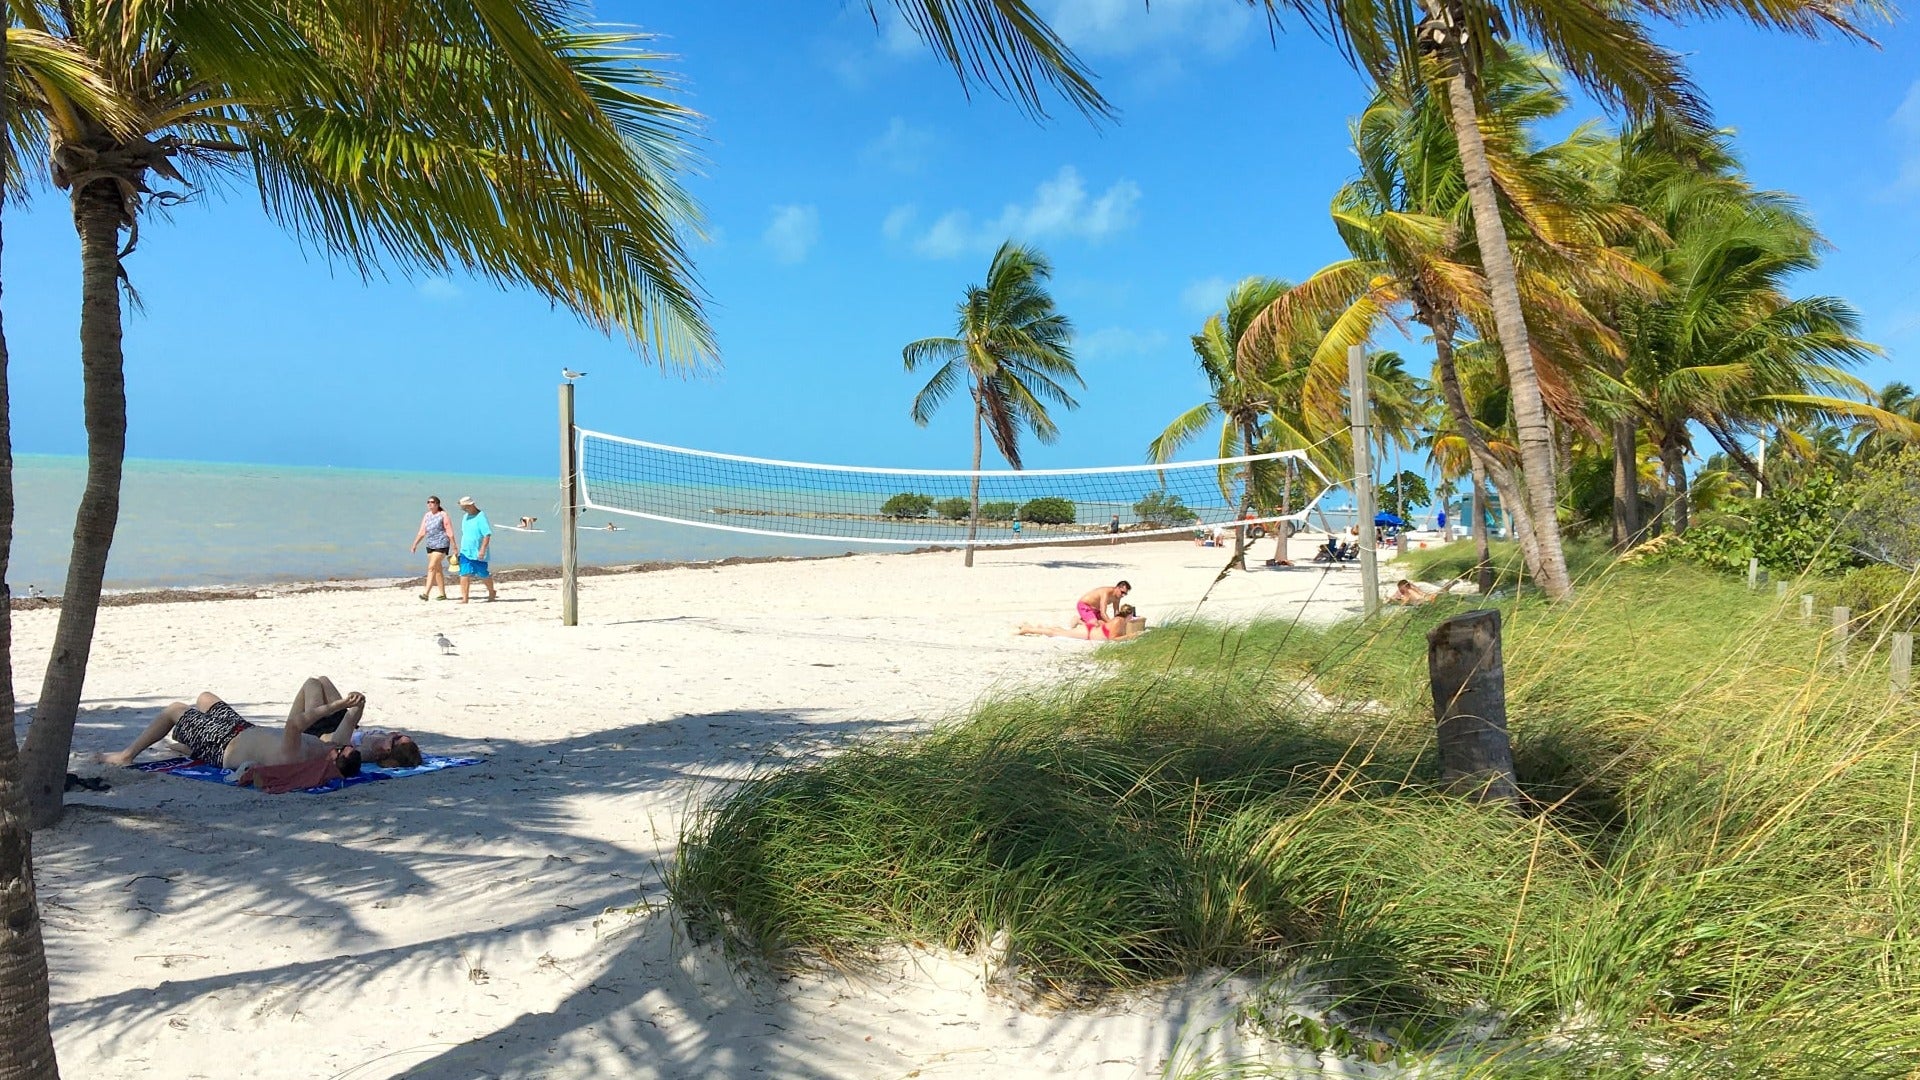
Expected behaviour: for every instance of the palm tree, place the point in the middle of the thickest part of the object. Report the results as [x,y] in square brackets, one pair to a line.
[1871,440]
[492,138]
[1011,348]
[1607,50]
[1726,348]
[26,1038]
[1406,222]
[1260,410]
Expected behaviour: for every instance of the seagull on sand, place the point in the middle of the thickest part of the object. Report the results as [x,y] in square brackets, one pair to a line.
[569,374]
[445,645]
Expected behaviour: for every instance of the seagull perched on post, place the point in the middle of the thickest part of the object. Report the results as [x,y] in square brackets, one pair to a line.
[445,645]
[569,374]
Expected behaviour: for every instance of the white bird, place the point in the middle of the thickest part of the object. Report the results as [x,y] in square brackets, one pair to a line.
[569,374]
[445,645]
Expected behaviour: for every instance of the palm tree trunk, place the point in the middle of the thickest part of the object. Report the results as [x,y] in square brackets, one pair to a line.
[1486,465]
[1676,466]
[1626,484]
[26,1040]
[1529,407]
[1482,545]
[97,215]
[973,514]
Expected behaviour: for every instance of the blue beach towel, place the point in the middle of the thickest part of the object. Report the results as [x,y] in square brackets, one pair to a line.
[200,770]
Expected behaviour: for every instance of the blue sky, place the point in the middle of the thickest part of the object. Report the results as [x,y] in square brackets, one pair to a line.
[852,192]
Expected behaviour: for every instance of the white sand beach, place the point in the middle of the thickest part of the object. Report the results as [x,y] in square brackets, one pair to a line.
[509,919]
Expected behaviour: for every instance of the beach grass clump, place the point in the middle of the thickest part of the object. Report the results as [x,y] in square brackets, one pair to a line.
[1713,870]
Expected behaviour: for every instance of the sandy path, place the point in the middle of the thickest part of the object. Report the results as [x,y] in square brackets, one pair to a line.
[502,920]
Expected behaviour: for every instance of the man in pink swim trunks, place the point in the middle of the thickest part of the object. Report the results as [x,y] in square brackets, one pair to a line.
[1101,604]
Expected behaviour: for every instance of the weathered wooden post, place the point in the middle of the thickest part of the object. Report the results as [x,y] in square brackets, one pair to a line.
[1469,683]
[1779,588]
[1902,662]
[1806,609]
[1753,574]
[1842,617]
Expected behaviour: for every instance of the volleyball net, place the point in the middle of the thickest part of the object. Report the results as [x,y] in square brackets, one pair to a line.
[939,507]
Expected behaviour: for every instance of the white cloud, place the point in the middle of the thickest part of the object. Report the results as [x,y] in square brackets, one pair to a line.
[1113,342]
[793,232]
[1130,28]
[1206,296]
[438,288]
[1060,208]
[1906,127]
[903,148]
[899,220]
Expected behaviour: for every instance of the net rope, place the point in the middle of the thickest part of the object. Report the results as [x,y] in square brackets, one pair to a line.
[933,507]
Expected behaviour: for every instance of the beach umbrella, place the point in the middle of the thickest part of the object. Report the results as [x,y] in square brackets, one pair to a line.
[1384,518]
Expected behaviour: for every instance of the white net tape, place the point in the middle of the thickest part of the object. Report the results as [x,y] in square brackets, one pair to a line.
[934,507]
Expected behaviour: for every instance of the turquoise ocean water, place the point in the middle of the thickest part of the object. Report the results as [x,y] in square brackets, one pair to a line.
[198,523]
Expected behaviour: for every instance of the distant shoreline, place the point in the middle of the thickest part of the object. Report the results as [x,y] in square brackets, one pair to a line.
[195,594]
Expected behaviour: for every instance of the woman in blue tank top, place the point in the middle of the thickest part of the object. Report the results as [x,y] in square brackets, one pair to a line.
[436,528]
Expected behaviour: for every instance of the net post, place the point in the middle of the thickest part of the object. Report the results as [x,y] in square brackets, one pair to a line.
[569,512]
[1358,413]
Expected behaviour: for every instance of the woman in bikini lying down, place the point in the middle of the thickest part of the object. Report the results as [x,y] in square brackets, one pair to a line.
[1121,625]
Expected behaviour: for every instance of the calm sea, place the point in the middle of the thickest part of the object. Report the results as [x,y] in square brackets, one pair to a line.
[189,523]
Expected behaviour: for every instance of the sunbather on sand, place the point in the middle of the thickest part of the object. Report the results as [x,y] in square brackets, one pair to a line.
[1112,629]
[210,730]
[387,749]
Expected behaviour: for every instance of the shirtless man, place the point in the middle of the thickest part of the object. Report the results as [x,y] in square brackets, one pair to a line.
[1101,604]
[210,730]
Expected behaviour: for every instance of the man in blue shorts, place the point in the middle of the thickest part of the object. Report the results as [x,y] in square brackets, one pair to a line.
[476,537]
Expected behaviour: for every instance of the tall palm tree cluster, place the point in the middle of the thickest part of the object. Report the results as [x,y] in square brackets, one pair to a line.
[1655,278]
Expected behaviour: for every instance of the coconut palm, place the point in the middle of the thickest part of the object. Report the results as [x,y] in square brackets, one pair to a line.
[1607,50]
[26,1039]
[1259,410]
[1871,439]
[1012,350]
[1727,349]
[1406,221]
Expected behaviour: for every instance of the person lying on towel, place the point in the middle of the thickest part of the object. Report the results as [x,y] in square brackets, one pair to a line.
[387,749]
[210,730]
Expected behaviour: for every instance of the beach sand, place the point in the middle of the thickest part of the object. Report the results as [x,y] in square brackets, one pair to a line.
[509,919]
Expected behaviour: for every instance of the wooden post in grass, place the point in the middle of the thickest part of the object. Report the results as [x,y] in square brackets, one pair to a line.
[1753,574]
[1806,609]
[1469,684]
[1902,662]
[1841,617]
[1779,588]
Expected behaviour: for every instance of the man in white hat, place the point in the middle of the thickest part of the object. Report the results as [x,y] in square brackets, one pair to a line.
[476,536]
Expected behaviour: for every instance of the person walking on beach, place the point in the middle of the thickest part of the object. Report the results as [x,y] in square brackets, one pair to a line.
[1113,529]
[436,528]
[476,538]
[1100,604]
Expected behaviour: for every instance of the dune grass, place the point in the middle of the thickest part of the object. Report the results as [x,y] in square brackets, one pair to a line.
[1714,873]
